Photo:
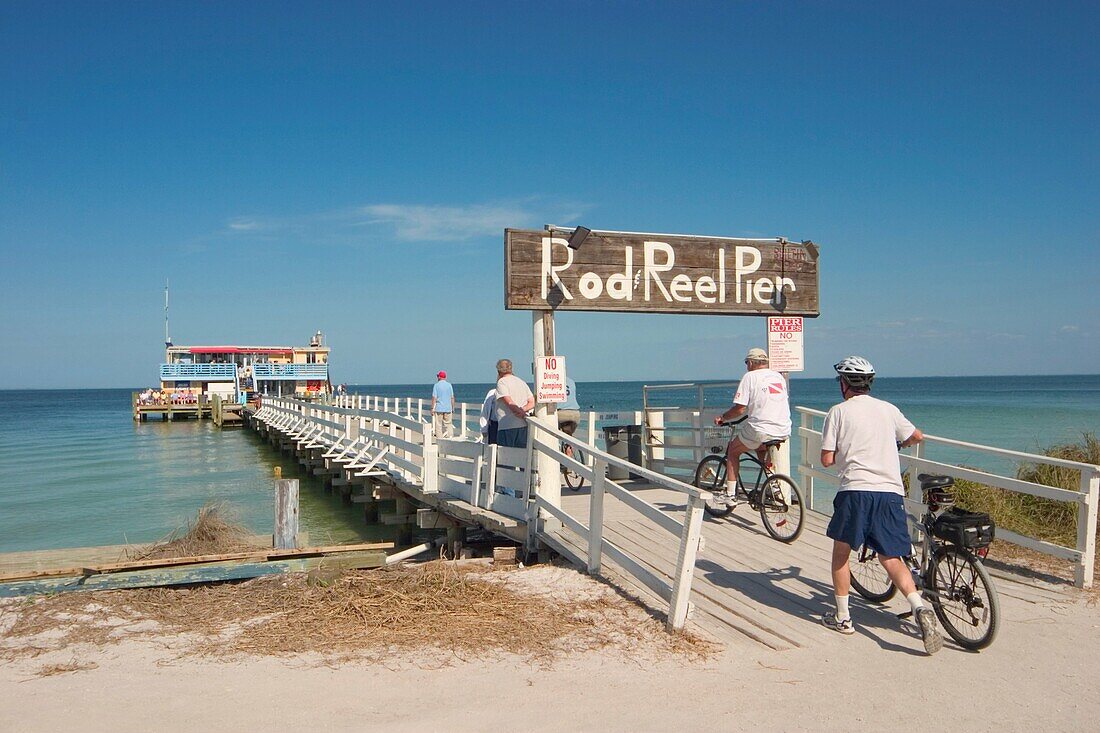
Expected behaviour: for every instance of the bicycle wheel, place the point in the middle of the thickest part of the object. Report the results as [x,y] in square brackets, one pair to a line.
[782,508]
[869,578]
[710,475]
[964,597]
[573,479]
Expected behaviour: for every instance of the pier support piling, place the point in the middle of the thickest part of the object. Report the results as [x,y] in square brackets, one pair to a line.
[286,514]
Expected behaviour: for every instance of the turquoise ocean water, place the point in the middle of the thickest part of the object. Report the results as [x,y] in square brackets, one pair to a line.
[76,470]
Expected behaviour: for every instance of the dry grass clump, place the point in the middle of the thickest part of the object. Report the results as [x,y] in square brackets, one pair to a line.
[428,614]
[212,533]
[1044,519]
[50,670]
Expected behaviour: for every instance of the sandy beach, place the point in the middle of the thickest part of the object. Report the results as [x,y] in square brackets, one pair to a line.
[1038,676]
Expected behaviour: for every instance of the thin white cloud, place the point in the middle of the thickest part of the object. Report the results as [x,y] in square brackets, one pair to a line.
[246,224]
[420,223]
[411,222]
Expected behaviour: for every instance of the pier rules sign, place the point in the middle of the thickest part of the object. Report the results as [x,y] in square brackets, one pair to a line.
[659,273]
[785,353]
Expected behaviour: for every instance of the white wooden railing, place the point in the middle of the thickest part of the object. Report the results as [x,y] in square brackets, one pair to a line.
[1086,497]
[392,437]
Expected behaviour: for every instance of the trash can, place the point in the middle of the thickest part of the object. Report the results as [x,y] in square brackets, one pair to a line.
[623,441]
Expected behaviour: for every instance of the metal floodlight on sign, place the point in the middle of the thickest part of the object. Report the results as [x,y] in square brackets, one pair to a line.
[576,239]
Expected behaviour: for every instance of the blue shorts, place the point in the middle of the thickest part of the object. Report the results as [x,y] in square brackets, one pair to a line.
[874,518]
[512,437]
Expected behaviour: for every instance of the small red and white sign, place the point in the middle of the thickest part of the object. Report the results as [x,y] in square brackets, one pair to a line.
[785,351]
[550,379]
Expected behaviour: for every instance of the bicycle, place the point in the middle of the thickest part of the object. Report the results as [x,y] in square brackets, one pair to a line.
[776,496]
[572,479]
[950,570]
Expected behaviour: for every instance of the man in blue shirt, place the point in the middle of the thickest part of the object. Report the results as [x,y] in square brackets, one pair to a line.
[443,400]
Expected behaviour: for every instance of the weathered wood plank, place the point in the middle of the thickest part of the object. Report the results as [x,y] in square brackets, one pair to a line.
[187,575]
[259,555]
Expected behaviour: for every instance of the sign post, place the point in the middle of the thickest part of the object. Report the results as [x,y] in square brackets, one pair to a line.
[785,355]
[549,473]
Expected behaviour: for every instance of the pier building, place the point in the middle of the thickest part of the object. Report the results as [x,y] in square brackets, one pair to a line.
[194,378]
[299,371]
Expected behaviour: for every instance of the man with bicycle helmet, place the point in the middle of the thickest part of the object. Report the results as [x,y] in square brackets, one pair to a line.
[861,436]
[762,396]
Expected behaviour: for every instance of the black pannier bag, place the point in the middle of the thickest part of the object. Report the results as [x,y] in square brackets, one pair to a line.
[972,530]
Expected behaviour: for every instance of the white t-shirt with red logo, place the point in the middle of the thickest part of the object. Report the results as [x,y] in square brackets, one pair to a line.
[764,394]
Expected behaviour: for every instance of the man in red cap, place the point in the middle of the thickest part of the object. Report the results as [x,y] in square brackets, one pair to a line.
[443,400]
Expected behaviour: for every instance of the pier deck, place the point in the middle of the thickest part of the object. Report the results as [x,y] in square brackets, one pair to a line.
[752,590]
[746,589]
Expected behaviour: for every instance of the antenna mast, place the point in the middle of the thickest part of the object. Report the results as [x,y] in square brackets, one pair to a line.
[167,338]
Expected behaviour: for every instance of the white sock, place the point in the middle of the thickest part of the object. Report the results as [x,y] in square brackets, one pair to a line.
[842,613]
[915,601]
[731,486]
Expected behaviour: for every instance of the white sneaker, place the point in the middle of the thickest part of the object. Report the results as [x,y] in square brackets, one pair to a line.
[926,622]
[844,627]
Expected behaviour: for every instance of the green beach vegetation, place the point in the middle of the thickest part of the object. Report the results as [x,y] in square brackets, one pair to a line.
[1035,516]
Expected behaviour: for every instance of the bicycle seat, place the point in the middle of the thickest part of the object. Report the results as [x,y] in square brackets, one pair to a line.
[774,443]
[931,481]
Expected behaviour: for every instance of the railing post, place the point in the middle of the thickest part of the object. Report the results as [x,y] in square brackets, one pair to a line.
[1086,528]
[462,435]
[475,483]
[685,564]
[429,470]
[592,430]
[697,433]
[595,516]
[806,423]
[915,495]
[655,442]
[547,471]
[491,483]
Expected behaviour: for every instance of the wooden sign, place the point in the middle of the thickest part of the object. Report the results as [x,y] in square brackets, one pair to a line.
[658,273]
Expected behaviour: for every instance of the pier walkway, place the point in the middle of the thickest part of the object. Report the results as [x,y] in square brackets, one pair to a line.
[726,578]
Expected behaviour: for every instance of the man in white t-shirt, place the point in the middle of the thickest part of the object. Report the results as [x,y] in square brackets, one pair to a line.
[762,394]
[514,399]
[861,437]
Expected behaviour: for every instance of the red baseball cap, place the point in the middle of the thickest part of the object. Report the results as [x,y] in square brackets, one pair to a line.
[442,375]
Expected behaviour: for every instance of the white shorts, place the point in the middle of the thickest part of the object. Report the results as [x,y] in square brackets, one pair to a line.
[752,438]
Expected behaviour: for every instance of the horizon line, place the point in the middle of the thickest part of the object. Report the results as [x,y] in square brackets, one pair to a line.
[618,381]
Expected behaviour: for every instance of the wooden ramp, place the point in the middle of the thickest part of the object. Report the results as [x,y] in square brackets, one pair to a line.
[748,588]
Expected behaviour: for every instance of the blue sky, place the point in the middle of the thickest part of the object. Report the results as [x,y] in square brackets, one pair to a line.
[351,168]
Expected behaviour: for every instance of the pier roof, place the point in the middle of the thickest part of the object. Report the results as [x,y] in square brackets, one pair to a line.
[245,349]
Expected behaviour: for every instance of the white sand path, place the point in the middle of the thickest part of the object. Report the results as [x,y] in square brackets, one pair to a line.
[1039,675]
